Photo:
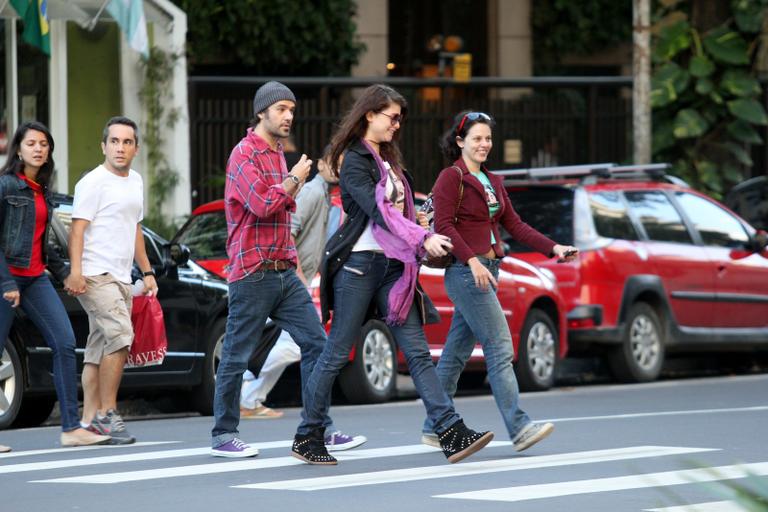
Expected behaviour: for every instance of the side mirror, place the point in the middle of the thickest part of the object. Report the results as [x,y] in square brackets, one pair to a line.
[179,253]
[760,241]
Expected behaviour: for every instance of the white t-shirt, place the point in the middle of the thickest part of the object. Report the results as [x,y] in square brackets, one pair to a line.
[114,205]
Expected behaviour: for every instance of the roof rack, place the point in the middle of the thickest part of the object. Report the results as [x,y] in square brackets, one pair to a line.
[591,171]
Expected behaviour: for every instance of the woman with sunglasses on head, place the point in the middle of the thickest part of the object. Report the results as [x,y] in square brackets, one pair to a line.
[472,222]
[371,268]
[26,207]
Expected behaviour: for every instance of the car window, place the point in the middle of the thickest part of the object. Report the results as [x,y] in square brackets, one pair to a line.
[206,236]
[715,225]
[658,216]
[548,210]
[152,252]
[611,217]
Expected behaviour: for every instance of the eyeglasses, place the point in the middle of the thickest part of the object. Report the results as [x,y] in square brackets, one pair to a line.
[393,118]
[472,116]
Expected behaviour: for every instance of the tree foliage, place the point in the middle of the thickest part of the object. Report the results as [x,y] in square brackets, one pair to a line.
[563,27]
[273,37]
[705,95]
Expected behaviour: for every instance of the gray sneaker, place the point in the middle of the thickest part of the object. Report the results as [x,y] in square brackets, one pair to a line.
[113,425]
[531,434]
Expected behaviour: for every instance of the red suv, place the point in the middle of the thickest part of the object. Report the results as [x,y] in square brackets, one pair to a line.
[532,302]
[662,267]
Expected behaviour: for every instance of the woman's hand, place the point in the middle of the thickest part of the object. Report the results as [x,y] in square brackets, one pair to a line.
[482,275]
[421,219]
[438,245]
[565,253]
[13,297]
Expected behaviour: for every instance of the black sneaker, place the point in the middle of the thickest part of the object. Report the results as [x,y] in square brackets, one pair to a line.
[113,425]
[311,448]
[459,442]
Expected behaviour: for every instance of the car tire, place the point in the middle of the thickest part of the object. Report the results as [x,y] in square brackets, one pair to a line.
[11,385]
[372,376]
[34,411]
[537,352]
[641,354]
[202,394]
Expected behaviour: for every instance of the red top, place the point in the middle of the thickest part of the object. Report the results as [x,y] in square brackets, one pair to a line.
[36,265]
[471,235]
[257,207]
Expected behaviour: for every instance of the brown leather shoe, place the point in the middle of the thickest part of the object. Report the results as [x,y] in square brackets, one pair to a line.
[261,412]
[82,437]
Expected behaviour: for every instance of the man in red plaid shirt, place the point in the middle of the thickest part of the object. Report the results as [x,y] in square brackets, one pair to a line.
[258,201]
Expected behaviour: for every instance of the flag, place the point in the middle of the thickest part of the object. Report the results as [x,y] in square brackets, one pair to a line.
[35,16]
[129,15]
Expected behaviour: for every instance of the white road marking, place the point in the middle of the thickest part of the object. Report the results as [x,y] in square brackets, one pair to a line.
[621,483]
[241,465]
[712,506]
[129,457]
[28,453]
[683,412]
[472,468]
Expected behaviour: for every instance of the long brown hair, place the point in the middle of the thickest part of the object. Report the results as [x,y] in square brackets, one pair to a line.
[353,126]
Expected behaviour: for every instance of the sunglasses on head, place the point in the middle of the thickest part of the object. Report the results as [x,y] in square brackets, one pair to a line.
[472,116]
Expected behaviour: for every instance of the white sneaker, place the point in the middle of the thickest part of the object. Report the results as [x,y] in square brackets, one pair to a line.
[532,434]
[431,440]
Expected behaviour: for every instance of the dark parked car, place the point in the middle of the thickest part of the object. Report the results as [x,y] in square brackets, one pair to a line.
[750,200]
[662,267]
[194,303]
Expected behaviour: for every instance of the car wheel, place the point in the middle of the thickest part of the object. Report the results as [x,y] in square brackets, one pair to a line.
[202,395]
[11,385]
[372,376]
[34,410]
[537,358]
[641,355]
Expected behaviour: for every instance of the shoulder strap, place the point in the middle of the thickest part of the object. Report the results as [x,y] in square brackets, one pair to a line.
[461,195]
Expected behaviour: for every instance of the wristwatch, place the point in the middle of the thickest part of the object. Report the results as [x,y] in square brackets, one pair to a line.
[148,273]
[294,179]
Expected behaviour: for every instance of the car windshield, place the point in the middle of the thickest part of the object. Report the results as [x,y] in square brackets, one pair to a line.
[206,236]
[548,210]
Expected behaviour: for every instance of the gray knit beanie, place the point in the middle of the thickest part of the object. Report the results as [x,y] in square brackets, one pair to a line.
[270,93]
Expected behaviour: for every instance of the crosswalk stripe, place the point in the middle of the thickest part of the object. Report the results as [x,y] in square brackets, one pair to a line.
[49,451]
[621,483]
[683,412]
[711,506]
[241,465]
[472,468]
[130,457]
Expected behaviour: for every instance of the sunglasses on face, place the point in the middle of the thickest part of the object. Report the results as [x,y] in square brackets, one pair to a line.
[393,118]
[472,116]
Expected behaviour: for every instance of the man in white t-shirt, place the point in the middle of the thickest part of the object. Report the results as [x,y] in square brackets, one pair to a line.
[104,239]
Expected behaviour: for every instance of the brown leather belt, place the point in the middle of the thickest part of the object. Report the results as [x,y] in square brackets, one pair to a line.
[275,265]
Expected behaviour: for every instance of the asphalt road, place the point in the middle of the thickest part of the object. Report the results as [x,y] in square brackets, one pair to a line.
[615,448]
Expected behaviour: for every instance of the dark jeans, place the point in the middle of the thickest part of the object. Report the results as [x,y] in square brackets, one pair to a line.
[281,296]
[368,276]
[43,306]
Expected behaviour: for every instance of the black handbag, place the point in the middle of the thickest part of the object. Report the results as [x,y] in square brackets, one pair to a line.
[428,209]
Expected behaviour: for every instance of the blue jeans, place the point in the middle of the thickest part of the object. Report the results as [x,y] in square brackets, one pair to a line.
[282,296]
[366,277]
[43,306]
[478,316]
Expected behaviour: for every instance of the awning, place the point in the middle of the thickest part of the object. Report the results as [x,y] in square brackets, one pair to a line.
[83,11]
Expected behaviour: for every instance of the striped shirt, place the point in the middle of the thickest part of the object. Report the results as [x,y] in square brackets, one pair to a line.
[257,207]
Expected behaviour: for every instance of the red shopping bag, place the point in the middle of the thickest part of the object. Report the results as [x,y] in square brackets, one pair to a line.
[149,341]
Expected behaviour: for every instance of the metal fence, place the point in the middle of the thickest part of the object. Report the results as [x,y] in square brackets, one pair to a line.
[539,121]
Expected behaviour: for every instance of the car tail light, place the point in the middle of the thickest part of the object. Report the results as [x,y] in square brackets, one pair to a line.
[581,323]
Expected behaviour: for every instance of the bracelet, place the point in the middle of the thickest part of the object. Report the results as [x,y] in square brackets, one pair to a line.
[149,273]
